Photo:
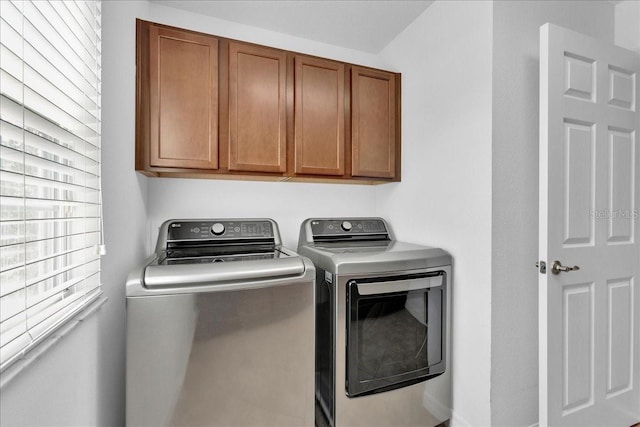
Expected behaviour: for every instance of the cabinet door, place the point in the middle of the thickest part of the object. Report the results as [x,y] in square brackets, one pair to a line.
[183,99]
[319,116]
[257,115]
[373,123]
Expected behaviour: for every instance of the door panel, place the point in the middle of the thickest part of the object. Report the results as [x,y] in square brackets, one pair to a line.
[620,321]
[319,116]
[622,153]
[579,183]
[578,349]
[589,192]
[184,99]
[621,88]
[257,116]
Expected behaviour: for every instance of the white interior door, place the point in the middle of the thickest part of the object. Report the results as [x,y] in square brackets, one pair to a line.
[589,194]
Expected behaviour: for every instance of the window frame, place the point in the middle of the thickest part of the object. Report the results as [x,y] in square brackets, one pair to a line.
[51,236]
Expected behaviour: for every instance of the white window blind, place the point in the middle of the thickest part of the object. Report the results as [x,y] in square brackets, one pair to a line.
[50,204]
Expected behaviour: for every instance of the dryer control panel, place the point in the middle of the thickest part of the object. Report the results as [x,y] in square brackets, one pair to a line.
[349,226]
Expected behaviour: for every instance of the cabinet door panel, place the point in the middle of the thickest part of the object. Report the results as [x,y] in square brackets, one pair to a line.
[373,123]
[319,116]
[183,99]
[257,115]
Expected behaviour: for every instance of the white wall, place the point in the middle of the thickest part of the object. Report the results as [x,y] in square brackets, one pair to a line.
[288,203]
[628,24]
[59,388]
[124,197]
[444,198]
[514,313]
[211,25]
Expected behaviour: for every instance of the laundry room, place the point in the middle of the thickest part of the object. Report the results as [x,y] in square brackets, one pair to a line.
[465,178]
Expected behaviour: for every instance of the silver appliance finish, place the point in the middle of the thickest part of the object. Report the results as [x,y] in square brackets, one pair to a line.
[362,252]
[220,324]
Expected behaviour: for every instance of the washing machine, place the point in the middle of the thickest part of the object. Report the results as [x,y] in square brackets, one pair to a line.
[382,325]
[220,328]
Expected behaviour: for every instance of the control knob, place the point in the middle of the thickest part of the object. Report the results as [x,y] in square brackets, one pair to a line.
[346,225]
[217,229]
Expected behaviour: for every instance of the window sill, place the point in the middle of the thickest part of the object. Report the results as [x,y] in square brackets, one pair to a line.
[35,353]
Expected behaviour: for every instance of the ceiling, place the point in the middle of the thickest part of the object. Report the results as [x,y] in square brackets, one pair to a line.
[367,26]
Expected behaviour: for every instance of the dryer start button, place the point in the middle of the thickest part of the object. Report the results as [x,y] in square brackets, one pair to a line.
[217,229]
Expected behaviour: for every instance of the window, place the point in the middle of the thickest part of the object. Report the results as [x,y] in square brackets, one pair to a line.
[50,204]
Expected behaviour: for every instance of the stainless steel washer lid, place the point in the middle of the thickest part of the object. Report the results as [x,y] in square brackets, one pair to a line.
[217,255]
[157,276]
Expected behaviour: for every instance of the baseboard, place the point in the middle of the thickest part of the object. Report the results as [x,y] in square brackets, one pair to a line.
[458,421]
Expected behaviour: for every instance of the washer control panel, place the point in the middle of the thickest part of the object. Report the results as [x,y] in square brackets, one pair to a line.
[349,226]
[223,229]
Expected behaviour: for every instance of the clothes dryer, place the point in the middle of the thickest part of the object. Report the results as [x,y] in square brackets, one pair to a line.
[382,325]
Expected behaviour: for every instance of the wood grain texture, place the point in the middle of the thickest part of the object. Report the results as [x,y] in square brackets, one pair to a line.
[319,116]
[257,108]
[183,99]
[142,98]
[269,112]
[373,123]
[223,113]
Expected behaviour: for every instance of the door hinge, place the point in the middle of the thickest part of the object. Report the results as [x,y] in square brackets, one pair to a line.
[542,266]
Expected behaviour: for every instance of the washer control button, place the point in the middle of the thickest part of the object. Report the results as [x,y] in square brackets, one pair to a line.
[217,229]
[346,225]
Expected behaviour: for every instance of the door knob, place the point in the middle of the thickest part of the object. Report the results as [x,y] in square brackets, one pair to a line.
[558,267]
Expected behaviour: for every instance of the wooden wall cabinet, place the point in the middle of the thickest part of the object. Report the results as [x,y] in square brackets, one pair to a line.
[257,108]
[183,99]
[373,123]
[319,116]
[212,107]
